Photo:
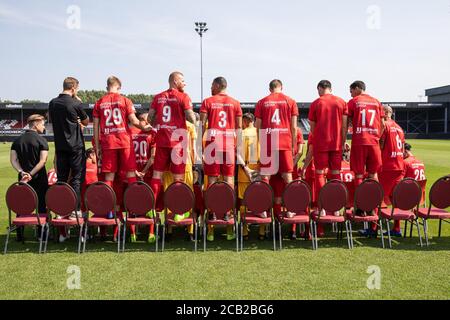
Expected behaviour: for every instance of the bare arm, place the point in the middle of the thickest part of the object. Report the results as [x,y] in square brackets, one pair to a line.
[85,122]
[190,115]
[312,125]
[42,161]
[294,120]
[150,161]
[203,119]
[136,123]
[98,148]
[15,161]
[151,117]
[344,130]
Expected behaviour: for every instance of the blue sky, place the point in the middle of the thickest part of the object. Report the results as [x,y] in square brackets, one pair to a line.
[399,48]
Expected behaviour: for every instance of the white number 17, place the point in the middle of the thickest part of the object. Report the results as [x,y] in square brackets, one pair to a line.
[372,118]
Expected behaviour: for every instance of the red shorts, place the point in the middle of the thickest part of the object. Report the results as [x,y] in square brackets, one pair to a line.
[328,159]
[165,162]
[389,179]
[221,164]
[114,160]
[278,185]
[285,163]
[365,159]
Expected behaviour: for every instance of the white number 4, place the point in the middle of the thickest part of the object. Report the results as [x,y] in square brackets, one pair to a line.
[276,117]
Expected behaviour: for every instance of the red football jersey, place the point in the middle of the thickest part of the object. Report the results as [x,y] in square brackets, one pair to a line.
[91,173]
[113,111]
[392,154]
[222,111]
[143,143]
[366,113]
[52,177]
[275,112]
[170,106]
[414,169]
[327,113]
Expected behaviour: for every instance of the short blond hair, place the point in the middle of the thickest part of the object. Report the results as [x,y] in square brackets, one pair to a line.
[33,119]
[112,81]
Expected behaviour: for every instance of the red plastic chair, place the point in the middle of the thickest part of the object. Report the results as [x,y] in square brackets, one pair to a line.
[62,200]
[138,201]
[296,199]
[258,198]
[22,200]
[220,199]
[100,199]
[405,202]
[440,200]
[179,199]
[333,197]
[368,198]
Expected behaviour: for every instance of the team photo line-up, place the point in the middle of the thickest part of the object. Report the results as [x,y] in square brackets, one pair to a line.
[152,165]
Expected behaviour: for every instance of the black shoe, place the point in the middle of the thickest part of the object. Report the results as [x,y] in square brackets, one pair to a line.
[212,217]
[293,236]
[190,238]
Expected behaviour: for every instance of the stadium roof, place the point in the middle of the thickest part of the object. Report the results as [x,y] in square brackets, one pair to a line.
[437,91]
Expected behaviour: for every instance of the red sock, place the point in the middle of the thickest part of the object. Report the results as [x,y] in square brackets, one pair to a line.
[109,183]
[131,180]
[266,180]
[152,229]
[358,181]
[320,182]
[374,227]
[155,184]
[335,177]
[277,209]
[133,229]
[320,230]
[396,226]
[116,231]
[294,228]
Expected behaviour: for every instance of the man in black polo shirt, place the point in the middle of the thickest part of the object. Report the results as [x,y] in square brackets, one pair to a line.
[28,156]
[67,116]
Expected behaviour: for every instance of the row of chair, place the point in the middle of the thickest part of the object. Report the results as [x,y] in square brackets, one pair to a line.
[220,199]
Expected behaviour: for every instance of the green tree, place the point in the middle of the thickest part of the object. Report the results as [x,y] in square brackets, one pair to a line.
[91,96]
[140,98]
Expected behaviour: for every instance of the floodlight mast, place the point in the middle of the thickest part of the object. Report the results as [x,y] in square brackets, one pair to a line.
[201,29]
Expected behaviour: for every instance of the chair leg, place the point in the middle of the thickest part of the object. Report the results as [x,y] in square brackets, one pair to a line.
[7,240]
[348,235]
[382,233]
[205,234]
[196,236]
[157,236]
[163,237]
[440,228]
[118,238]
[411,230]
[351,234]
[418,232]
[41,240]
[425,231]
[314,234]
[406,229]
[274,236]
[242,236]
[80,236]
[279,235]
[389,233]
[236,226]
[46,238]
[125,236]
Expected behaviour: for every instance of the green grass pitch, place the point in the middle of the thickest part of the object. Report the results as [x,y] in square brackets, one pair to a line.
[333,272]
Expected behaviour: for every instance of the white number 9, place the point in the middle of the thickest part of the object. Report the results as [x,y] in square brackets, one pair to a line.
[167,114]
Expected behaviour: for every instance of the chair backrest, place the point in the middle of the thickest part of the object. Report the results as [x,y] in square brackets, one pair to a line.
[297,197]
[220,198]
[369,195]
[440,193]
[258,197]
[22,199]
[179,199]
[61,199]
[407,194]
[139,199]
[333,196]
[100,199]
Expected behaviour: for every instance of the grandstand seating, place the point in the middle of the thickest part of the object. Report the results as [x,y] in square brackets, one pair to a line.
[304,125]
[10,124]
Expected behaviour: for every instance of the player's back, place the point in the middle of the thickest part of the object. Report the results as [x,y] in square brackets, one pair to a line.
[142,143]
[113,111]
[170,107]
[392,153]
[366,113]
[275,112]
[414,169]
[327,112]
[222,111]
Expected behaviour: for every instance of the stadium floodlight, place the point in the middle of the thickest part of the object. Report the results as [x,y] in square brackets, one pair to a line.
[201,29]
